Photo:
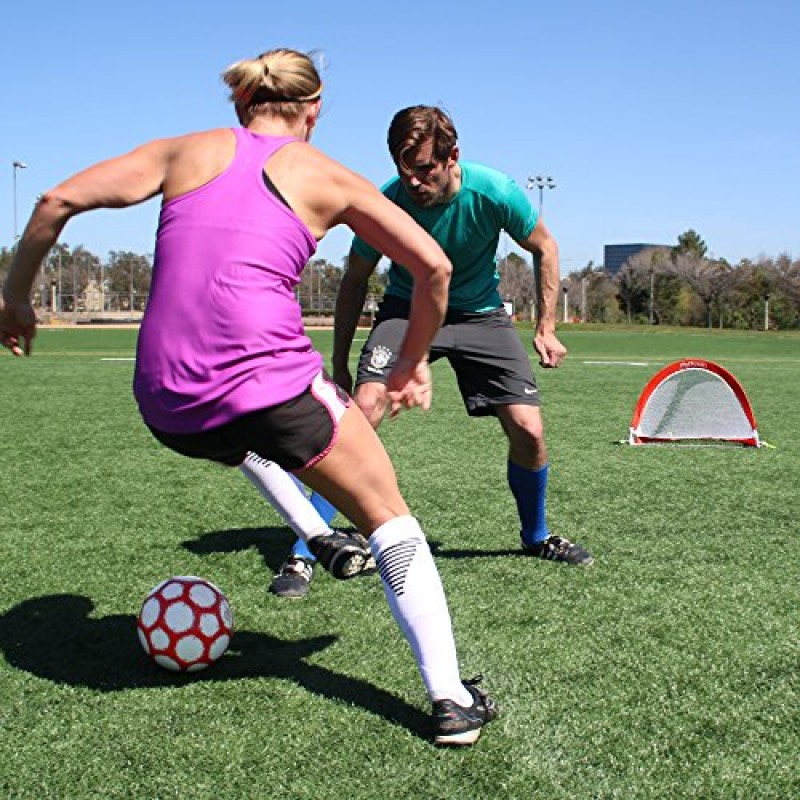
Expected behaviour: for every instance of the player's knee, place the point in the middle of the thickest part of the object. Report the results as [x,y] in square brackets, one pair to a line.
[526,431]
[534,430]
[372,399]
[530,440]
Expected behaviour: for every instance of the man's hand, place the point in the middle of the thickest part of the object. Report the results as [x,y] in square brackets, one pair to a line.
[17,325]
[409,385]
[551,351]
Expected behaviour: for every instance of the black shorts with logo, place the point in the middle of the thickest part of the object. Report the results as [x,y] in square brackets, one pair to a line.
[491,364]
[295,434]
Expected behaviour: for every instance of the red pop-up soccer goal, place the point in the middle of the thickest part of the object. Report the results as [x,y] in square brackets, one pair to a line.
[693,400]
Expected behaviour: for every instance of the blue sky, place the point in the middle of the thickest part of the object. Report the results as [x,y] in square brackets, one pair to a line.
[651,118]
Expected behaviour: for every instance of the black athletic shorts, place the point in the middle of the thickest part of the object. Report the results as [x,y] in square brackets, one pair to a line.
[484,349]
[295,434]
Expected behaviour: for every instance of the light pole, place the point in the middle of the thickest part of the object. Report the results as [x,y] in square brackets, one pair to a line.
[102,289]
[584,281]
[74,284]
[60,287]
[132,287]
[541,183]
[17,166]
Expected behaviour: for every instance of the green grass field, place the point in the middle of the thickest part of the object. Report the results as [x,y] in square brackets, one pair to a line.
[667,669]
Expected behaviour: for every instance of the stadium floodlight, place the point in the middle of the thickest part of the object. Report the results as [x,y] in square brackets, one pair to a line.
[541,183]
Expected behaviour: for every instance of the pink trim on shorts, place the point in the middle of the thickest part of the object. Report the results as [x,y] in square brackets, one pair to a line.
[327,393]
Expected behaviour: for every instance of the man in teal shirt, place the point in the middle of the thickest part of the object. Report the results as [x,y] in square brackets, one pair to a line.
[465,207]
[467,224]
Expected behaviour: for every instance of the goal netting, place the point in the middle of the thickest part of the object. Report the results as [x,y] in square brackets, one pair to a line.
[693,400]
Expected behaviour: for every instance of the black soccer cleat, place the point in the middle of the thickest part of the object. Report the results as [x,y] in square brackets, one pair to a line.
[557,548]
[293,580]
[344,555]
[460,726]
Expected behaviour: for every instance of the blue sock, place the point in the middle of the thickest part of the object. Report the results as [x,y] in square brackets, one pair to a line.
[327,512]
[300,548]
[323,507]
[529,487]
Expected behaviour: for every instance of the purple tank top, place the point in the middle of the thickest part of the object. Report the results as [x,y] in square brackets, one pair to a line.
[223,334]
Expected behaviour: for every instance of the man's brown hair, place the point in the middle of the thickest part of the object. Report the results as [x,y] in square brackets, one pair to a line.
[413,126]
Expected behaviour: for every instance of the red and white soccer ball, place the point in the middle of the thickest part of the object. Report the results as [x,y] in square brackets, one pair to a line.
[185,624]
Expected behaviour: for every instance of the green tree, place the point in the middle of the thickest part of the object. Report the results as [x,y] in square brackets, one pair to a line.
[128,278]
[593,293]
[6,256]
[788,282]
[638,284]
[516,282]
[318,286]
[377,285]
[690,243]
[708,279]
[71,270]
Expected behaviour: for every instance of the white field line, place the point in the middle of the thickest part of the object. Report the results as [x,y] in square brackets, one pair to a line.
[618,363]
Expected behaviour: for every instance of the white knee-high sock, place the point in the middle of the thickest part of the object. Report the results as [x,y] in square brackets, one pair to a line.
[286,497]
[416,597]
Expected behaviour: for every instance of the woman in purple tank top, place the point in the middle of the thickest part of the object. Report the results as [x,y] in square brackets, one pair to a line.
[223,364]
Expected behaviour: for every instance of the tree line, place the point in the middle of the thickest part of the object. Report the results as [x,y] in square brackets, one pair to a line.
[77,280]
[74,279]
[678,285]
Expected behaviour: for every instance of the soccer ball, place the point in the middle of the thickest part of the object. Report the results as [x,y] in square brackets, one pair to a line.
[185,624]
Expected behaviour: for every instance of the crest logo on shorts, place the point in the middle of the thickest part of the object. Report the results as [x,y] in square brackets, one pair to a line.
[379,359]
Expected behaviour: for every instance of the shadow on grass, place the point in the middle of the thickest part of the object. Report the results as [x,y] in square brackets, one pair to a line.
[272,544]
[439,552]
[53,637]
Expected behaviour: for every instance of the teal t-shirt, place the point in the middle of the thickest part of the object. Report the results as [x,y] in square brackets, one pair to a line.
[468,229]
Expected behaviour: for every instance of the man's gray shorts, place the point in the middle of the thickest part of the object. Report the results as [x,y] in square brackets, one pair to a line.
[484,349]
